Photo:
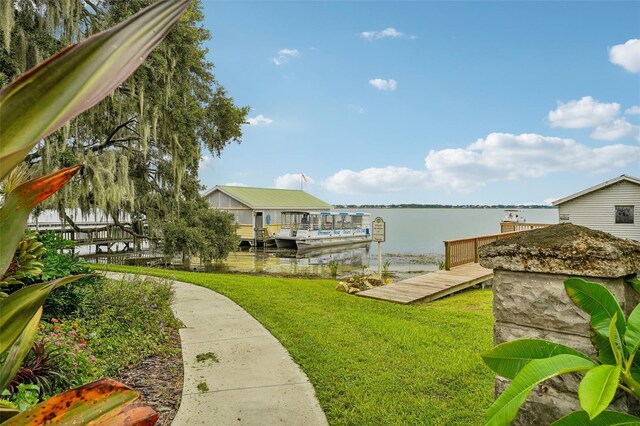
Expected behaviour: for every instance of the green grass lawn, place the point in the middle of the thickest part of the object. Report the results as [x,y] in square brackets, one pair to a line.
[372,362]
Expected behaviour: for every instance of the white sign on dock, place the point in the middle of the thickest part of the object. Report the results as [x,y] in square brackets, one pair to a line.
[378,231]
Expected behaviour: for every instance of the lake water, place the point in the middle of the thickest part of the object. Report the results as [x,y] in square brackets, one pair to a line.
[422,231]
[414,242]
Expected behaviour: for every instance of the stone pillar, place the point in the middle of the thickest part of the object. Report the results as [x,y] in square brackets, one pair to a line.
[530,300]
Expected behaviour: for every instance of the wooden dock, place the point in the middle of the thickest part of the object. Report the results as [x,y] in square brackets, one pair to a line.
[430,286]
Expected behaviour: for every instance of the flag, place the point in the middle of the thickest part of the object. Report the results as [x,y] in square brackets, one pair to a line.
[303,177]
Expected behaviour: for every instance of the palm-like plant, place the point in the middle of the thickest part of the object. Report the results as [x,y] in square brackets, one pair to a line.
[33,106]
[528,362]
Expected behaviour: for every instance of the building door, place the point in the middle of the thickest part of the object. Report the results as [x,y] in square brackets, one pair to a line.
[259,232]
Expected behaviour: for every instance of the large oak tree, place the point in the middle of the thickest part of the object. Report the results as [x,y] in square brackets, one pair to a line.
[142,145]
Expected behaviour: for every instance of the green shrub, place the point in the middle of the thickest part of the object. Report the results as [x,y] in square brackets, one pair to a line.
[25,397]
[58,262]
[385,268]
[333,269]
[127,321]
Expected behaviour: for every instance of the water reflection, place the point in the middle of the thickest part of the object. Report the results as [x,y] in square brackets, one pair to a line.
[360,258]
[279,261]
[349,259]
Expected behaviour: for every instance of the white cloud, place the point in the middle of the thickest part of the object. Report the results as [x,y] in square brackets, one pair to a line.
[627,55]
[357,108]
[292,181]
[375,180]
[633,110]
[616,129]
[205,160]
[235,184]
[498,157]
[587,112]
[386,85]
[284,55]
[549,201]
[259,120]
[388,32]
[503,156]
[289,52]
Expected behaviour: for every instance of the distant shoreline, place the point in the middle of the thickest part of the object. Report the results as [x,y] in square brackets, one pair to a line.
[439,206]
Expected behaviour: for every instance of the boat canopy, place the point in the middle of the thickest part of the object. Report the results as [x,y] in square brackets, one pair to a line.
[313,220]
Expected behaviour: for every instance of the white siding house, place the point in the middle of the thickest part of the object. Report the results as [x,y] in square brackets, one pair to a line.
[612,206]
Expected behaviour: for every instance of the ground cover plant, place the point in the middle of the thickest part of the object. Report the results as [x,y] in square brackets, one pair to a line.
[109,327]
[372,362]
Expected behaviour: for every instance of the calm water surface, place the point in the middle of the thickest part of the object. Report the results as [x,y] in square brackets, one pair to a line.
[414,242]
[422,231]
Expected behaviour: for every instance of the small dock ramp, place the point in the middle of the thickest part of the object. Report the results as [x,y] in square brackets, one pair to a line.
[430,286]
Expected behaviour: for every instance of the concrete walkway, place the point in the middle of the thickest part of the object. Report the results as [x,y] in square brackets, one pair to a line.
[254,380]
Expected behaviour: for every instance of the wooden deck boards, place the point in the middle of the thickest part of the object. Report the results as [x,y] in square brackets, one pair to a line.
[430,286]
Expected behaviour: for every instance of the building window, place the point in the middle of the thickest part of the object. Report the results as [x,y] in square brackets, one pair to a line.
[624,214]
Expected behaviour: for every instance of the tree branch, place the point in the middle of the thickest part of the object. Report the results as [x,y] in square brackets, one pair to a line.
[77,228]
[110,139]
[131,231]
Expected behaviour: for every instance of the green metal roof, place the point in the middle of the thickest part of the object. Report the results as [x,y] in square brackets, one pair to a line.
[270,198]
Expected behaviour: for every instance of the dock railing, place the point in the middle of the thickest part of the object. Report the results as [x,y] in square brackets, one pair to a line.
[463,251]
[520,226]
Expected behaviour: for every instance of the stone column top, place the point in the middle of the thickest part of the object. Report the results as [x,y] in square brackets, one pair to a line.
[564,249]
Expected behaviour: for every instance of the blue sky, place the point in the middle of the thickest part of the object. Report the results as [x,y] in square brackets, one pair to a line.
[429,102]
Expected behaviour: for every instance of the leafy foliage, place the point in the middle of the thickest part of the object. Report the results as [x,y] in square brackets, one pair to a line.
[142,146]
[607,418]
[126,321]
[59,261]
[25,396]
[26,263]
[107,399]
[333,268]
[507,359]
[33,106]
[42,366]
[208,233]
[528,362]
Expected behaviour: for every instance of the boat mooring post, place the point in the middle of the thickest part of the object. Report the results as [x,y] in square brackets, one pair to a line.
[378,232]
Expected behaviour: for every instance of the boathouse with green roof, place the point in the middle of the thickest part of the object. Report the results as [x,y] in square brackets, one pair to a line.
[258,211]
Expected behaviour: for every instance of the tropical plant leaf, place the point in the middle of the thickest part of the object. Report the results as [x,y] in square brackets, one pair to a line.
[100,402]
[18,204]
[598,387]
[19,350]
[615,342]
[7,412]
[77,78]
[137,414]
[606,418]
[507,359]
[634,282]
[598,302]
[635,368]
[17,310]
[603,345]
[506,407]
[632,336]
